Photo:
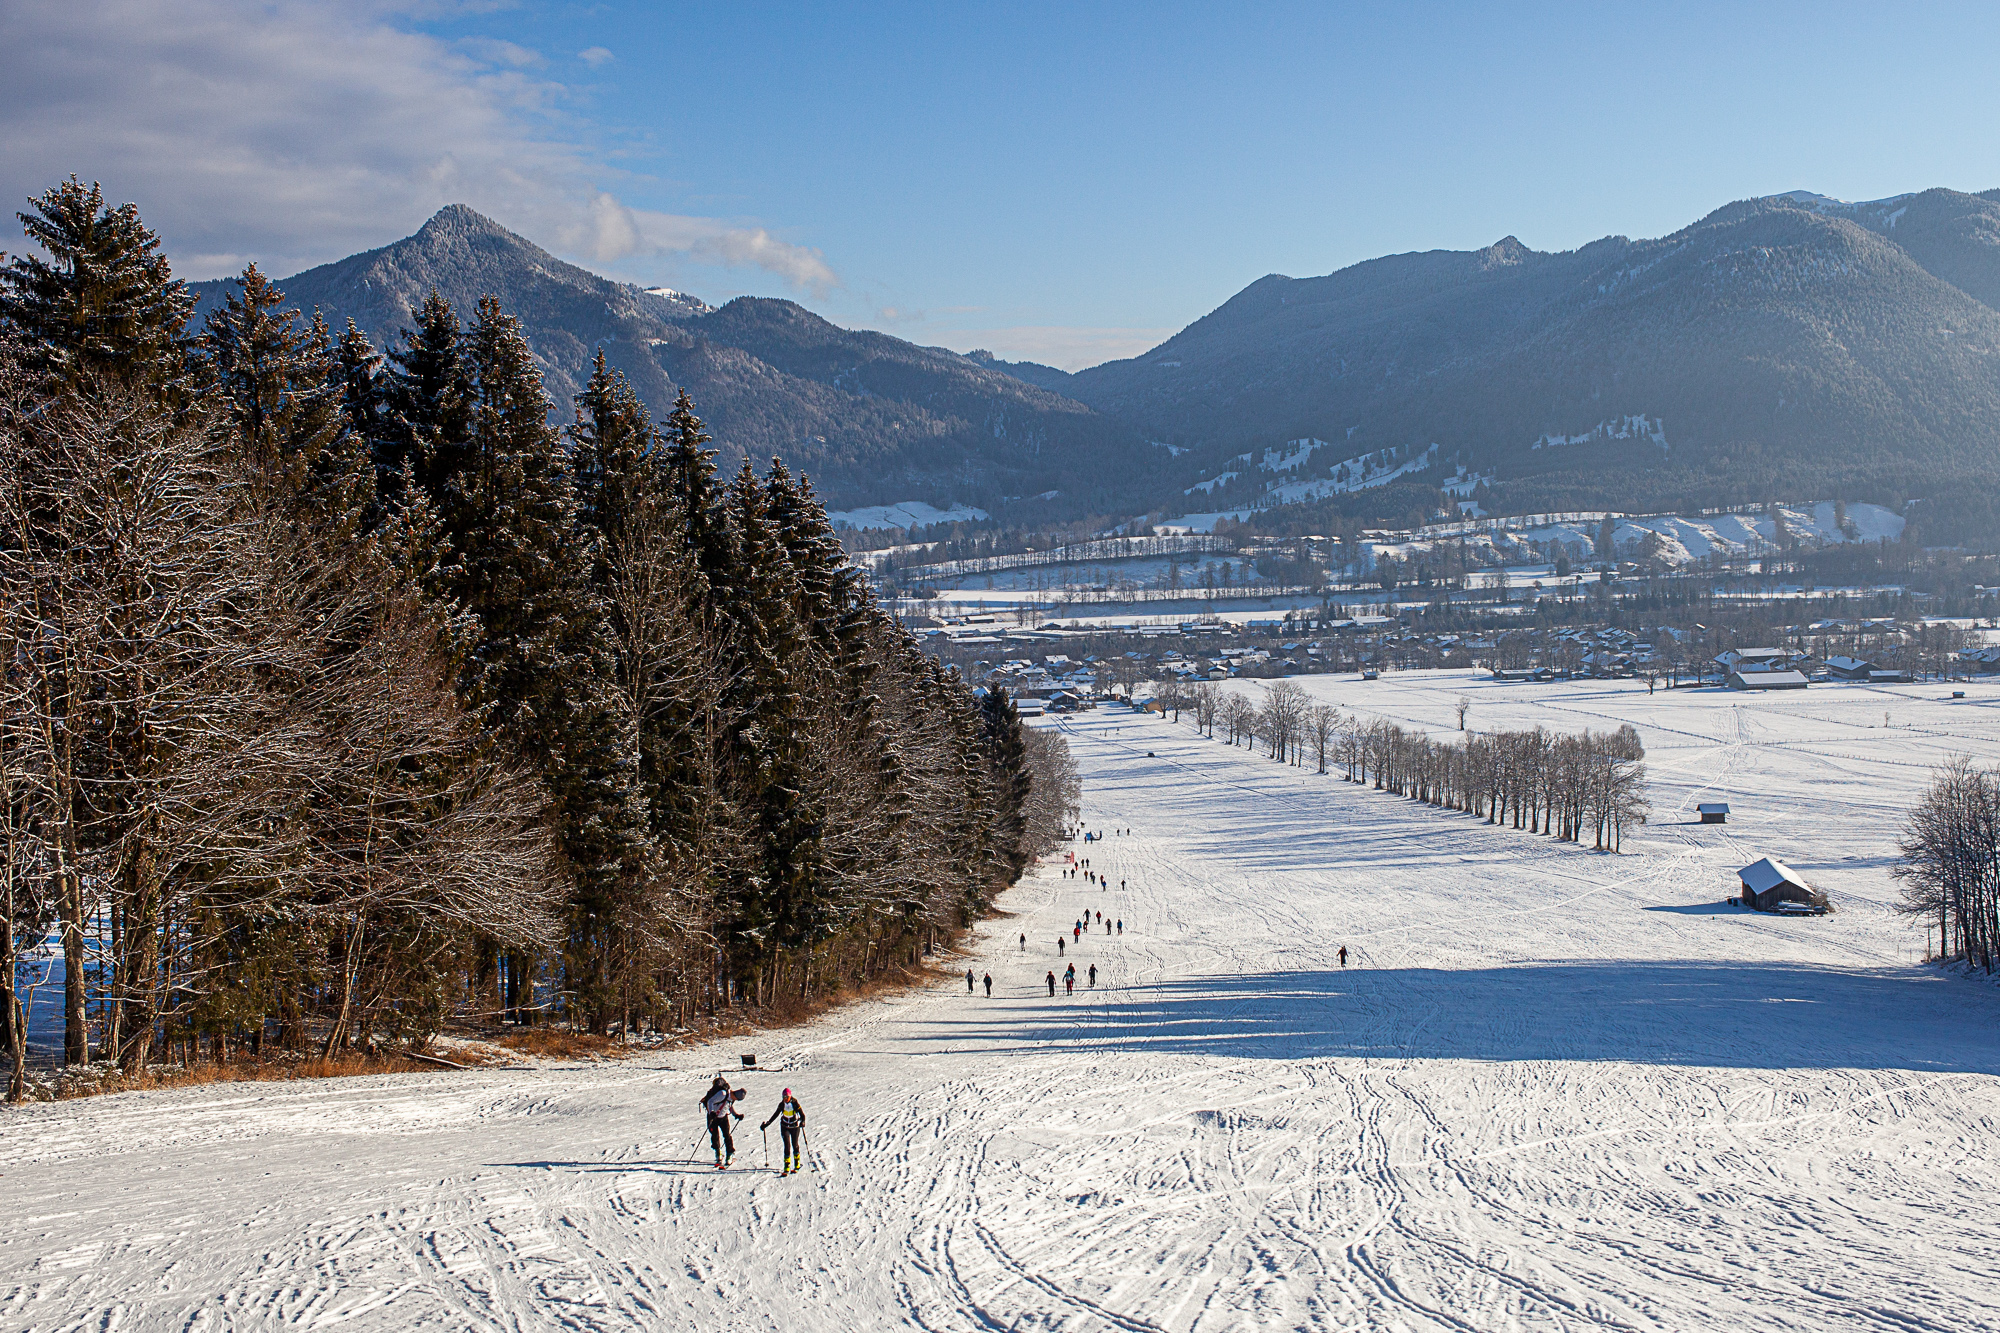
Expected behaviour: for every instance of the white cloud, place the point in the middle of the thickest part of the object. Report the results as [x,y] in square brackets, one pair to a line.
[614,231]
[1064,348]
[295,133]
[493,51]
[594,56]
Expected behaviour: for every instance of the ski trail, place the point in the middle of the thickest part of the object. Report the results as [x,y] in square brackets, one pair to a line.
[1553,1090]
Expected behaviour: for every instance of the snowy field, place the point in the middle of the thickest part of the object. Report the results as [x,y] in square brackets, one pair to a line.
[1553,1090]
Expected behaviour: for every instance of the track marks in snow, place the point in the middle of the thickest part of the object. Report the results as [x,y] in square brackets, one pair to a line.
[1543,1103]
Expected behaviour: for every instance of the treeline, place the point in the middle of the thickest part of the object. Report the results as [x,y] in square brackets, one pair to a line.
[1950,865]
[1564,786]
[344,693]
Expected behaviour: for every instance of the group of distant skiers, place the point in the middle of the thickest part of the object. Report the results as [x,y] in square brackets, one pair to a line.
[1069,980]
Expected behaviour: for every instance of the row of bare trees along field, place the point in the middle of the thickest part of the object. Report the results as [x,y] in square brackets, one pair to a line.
[1562,785]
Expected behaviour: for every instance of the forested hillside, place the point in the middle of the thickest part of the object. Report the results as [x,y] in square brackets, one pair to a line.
[346,694]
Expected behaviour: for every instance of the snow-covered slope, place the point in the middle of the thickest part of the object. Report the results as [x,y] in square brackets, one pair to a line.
[1680,539]
[1553,1090]
[907,514]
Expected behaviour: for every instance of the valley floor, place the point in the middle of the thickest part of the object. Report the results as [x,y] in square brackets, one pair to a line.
[1552,1090]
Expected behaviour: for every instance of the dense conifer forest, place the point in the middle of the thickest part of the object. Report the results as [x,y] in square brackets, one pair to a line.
[347,694]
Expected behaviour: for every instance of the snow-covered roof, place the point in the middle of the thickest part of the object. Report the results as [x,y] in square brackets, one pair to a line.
[1712,808]
[1765,874]
[1768,680]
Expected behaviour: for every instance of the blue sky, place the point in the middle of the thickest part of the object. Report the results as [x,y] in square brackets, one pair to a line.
[1061,182]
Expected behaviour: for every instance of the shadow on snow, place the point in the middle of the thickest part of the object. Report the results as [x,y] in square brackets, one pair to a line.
[1753,1016]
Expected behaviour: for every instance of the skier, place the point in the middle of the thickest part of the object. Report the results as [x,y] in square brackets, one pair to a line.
[720,1105]
[1059,946]
[1052,984]
[1024,941]
[1343,955]
[1093,974]
[791,1118]
[989,985]
[1079,934]
[1107,927]
[968,981]
[1069,981]
[1121,925]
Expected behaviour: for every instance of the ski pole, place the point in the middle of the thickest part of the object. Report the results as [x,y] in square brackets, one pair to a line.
[766,1129]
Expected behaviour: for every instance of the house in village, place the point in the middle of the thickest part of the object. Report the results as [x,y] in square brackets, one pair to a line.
[1713,812]
[1767,680]
[1744,660]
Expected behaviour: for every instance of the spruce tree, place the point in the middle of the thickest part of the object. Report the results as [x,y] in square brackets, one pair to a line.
[1007,766]
[543,669]
[104,299]
[281,387]
[429,402]
[691,479]
[643,572]
[777,898]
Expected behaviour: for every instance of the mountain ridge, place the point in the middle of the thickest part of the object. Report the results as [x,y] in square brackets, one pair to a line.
[1783,345]
[871,418]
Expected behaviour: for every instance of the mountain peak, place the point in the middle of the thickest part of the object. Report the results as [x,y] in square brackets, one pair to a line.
[461,219]
[1507,250]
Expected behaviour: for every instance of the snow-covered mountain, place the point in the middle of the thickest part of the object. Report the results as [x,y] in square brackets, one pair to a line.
[1794,345]
[873,420]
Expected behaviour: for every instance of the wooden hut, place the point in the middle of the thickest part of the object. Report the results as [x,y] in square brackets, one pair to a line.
[1713,812]
[1773,886]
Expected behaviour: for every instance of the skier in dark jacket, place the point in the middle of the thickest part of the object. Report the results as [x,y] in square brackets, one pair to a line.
[791,1118]
[720,1104]
[968,981]
[1093,974]
[989,985]
[1052,985]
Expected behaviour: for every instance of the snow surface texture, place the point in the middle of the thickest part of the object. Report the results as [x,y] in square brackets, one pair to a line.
[908,514]
[1553,1090]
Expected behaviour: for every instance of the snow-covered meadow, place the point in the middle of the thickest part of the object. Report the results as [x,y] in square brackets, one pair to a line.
[1552,1090]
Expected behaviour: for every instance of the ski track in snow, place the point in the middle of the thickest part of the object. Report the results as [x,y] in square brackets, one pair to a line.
[1556,1090]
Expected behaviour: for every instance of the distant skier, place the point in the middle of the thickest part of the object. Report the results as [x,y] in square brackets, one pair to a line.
[720,1104]
[968,981]
[1343,955]
[1059,946]
[1052,984]
[1093,974]
[989,985]
[1107,927]
[1024,941]
[1078,930]
[1121,925]
[1069,981]
[791,1118]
